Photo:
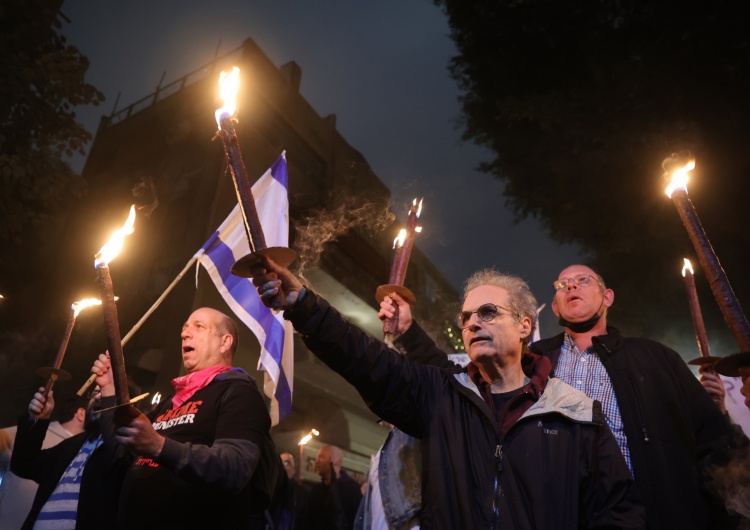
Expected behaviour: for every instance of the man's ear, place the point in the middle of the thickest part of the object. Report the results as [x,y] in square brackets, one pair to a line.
[609,297]
[81,414]
[226,342]
[554,308]
[525,327]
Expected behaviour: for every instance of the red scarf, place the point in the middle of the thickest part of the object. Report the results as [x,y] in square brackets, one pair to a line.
[187,385]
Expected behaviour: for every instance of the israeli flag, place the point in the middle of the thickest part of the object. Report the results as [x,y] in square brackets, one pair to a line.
[227,245]
[537,334]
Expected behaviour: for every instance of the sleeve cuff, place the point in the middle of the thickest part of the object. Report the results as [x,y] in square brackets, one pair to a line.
[170,454]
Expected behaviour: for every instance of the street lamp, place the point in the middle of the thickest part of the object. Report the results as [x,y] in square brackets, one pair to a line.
[306,438]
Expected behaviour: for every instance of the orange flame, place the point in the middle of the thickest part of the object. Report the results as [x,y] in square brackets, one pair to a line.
[687,267]
[680,178]
[306,438]
[229,85]
[400,238]
[80,305]
[419,207]
[112,248]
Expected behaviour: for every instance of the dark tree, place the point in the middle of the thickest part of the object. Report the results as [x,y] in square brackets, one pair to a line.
[580,101]
[41,83]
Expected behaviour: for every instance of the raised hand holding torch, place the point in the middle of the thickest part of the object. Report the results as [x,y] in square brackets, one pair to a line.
[402,246]
[54,373]
[111,325]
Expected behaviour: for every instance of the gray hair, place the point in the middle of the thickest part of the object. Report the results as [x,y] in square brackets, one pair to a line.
[521,301]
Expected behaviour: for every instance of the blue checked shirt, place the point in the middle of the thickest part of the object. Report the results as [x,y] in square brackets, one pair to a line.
[585,372]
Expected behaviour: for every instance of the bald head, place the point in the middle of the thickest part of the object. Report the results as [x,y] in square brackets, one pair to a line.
[329,461]
[209,338]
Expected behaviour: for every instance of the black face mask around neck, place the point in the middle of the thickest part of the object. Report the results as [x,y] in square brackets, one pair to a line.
[586,325]
[580,327]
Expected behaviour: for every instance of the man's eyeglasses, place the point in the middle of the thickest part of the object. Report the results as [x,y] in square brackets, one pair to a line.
[486,313]
[582,280]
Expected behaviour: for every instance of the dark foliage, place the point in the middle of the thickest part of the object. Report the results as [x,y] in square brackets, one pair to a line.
[41,82]
[581,101]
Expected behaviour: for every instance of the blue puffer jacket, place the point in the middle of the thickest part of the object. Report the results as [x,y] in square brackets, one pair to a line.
[558,466]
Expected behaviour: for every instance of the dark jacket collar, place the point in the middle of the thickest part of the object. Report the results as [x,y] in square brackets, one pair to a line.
[537,368]
[551,347]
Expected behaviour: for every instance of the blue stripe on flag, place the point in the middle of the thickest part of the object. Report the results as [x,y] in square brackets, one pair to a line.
[243,291]
[279,172]
[218,255]
[246,295]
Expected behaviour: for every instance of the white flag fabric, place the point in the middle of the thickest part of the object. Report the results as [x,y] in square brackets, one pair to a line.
[735,403]
[537,335]
[227,245]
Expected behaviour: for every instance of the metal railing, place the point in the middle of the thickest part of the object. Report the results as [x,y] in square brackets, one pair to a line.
[162,92]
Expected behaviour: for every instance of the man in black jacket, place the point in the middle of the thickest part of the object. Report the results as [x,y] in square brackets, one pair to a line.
[205,458]
[503,445]
[663,420]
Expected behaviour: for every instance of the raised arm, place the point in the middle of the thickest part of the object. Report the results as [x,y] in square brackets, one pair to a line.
[394,388]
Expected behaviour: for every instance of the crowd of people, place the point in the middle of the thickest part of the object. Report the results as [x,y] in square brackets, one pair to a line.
[586,429]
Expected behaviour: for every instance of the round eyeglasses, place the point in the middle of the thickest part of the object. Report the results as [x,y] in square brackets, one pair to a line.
[581,280]
[486,313]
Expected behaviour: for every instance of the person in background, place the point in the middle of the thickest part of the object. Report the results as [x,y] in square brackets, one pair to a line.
[297,494]
[334,501]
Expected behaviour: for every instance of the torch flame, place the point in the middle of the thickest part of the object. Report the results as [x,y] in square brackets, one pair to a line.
[229,85]
[156,399]
[680,178]
[80,305]
[687,267]
[306,438]
[112,247]
[400,238]
[419,207]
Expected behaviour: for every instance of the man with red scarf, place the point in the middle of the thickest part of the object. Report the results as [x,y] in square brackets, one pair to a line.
[204,457]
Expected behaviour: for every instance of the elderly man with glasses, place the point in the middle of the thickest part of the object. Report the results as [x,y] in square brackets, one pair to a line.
[503,445]
[663,419]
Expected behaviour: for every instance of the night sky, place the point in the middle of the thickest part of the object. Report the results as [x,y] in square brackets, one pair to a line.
[381,67]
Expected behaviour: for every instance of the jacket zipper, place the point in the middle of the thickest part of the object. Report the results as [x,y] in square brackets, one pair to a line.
[640,412]
[496,499]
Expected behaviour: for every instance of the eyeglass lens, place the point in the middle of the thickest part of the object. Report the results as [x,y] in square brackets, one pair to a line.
[581,279]
[486,313]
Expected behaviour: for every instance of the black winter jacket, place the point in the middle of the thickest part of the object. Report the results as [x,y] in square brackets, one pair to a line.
[101,479]
[558,466]
[671,424]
